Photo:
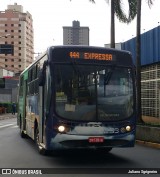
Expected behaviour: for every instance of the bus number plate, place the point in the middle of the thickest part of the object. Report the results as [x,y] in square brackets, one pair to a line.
[96,139]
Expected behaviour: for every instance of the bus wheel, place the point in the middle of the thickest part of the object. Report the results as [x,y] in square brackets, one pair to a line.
[41,150]
[23,134]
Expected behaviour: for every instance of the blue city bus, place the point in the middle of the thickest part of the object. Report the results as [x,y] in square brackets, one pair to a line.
[78,97]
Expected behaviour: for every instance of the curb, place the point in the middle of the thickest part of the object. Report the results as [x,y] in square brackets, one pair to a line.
[148,144]
[7,116]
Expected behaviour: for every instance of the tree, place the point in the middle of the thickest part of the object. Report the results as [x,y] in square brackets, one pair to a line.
[134,8]
[138,59]
[116,9]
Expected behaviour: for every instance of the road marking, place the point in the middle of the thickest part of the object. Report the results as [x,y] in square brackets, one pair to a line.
[8,125]
[16,126]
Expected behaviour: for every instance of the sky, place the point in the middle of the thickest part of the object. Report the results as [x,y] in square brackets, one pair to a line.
[49,17]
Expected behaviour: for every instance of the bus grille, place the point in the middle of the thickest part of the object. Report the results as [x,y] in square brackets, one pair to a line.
[86,144]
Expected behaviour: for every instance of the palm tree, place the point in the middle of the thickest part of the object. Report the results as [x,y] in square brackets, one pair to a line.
[134,8]
[138,59]
[116,9]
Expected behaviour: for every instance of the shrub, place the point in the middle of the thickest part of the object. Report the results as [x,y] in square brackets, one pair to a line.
[8,107]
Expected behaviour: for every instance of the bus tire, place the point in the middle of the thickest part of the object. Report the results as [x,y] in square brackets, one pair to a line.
[22,132]
[23,135]
[41,150]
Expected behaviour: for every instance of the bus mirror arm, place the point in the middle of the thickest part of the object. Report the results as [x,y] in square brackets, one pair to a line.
[41,78]
[42,74]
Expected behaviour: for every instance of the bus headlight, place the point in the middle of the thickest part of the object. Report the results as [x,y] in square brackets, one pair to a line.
[128,128]
[61,128]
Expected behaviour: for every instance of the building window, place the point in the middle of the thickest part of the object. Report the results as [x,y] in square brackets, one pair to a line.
[6,30]
[19,60]
[12,24]
[5,24]
[12,66]
[6,59]
[6,66]
[12,31]
[12,59]
[19,66]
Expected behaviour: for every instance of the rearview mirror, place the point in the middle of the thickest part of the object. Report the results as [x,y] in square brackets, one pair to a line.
[42,74]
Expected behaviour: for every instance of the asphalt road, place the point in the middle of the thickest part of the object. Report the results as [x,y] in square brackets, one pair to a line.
[16,152]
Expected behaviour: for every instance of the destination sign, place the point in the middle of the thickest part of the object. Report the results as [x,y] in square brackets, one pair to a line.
[91,56]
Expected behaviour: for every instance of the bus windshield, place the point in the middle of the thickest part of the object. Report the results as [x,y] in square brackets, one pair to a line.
[93,92]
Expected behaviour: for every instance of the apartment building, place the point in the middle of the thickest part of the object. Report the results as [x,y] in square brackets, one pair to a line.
[16,28]
[75,34]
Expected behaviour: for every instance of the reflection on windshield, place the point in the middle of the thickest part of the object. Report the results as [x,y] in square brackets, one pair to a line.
[93,93]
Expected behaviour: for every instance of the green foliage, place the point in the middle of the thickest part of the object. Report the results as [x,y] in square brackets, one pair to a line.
[121,14]
[8,106]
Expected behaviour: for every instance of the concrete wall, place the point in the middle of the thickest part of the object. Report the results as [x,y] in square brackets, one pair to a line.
[8,95]
[147,133]
[5,98]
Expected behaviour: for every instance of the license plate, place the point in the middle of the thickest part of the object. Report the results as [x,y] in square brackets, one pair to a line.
[96,139]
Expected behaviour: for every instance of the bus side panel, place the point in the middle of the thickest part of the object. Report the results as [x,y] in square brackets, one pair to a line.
[22,105]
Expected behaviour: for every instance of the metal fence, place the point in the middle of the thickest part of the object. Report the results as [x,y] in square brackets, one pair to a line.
[150,90]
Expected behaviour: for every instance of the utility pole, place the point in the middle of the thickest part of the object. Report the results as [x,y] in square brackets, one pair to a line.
[138,62]
[112,25]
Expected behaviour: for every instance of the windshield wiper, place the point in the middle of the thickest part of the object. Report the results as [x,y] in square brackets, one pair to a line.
[76,69]
[108,76]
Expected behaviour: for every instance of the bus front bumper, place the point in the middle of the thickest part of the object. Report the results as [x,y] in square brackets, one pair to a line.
[66,141]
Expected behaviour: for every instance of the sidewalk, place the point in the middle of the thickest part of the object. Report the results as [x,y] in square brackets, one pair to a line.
[152,121]
[7,116]
[148,144]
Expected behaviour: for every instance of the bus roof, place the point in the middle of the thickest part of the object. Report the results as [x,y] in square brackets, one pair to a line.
[89,54]
[68,53]
[83,47]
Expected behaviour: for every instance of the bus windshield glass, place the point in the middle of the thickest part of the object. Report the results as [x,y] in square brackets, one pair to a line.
[93,92]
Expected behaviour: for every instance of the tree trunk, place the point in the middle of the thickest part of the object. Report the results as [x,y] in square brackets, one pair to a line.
[138,61]
[112,26]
